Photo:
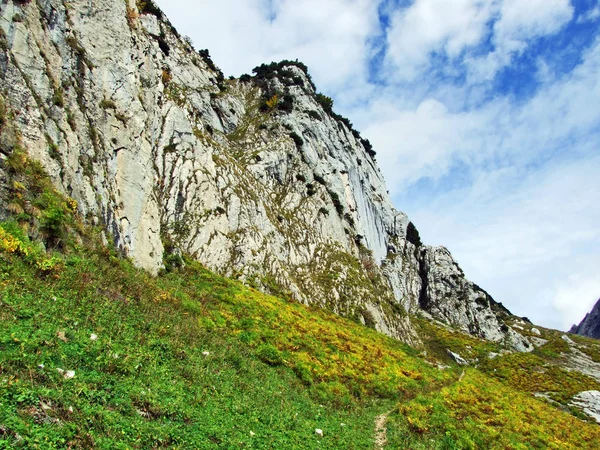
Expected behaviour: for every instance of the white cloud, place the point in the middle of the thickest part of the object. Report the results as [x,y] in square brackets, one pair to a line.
[575,297]
[425,141]
[434,25]
[330,37]
[421,143]
[590,16]
[520,22]
[457,29]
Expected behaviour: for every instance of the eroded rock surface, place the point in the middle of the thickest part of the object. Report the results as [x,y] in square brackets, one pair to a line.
[154,144]
[589,401]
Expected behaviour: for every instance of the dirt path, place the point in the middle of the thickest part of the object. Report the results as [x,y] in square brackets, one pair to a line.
[381,420]
[381,430]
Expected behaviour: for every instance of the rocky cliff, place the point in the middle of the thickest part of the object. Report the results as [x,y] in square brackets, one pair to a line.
[590,325]
[257,177]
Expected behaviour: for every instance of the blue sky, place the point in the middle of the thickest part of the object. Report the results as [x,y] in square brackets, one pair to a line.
[485,115]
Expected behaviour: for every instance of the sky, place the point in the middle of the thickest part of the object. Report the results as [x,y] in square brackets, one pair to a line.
[485,115]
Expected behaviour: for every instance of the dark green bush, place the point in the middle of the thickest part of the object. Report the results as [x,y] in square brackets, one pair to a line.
[368,147]
[297,139]
[205,55]
[286,104]
[314,115]
[173,262]
[336,202]
[325,102]
[53,224]
[319,179]
[148,7]
[269,354]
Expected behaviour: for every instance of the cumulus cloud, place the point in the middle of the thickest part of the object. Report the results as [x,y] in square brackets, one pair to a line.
[428,140]
[524,20]
[457,29]
[428,26]
[422,143]
[519,22]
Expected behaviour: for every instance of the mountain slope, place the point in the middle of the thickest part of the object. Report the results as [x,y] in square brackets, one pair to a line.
[257,178]
[199,361]
[590,325]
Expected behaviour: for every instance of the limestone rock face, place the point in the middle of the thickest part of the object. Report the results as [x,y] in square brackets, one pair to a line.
[590,325]
[449,297]
[154,144]
[589,401]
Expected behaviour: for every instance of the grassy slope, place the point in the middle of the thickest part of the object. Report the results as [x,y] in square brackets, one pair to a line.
[492,406]
[273,368]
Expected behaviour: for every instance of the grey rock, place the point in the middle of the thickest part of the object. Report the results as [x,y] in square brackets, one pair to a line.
[579,361]
[457,358]
[589,401]
[590,325]
[538,342]
[449,297]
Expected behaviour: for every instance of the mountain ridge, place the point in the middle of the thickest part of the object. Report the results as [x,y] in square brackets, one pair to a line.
[590,325]
[257,178]
[149,206]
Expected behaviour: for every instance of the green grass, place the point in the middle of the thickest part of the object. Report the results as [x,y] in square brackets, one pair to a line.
[537,372]
[530,372]
[274,372]
[480,413]
[146,382]
[190,359]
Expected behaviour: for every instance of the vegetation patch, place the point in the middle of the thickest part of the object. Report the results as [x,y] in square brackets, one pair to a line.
[477,413]
[532,373]
[148,7]
[36,205]
[95,353]
[335,198]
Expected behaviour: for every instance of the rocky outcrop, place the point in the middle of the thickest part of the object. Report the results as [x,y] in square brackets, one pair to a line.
[590,325]
[450,298]
[589,401]
[255,177]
